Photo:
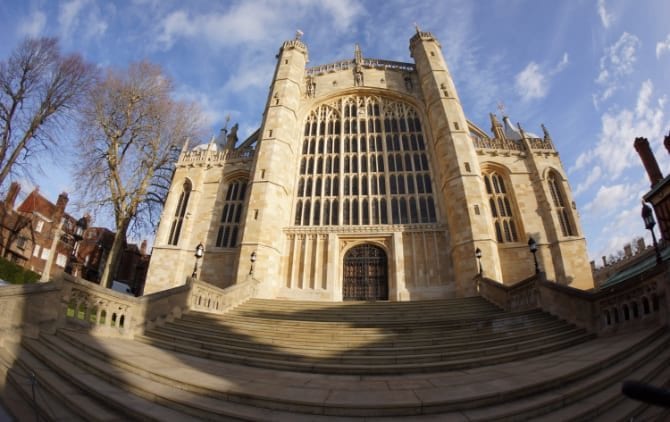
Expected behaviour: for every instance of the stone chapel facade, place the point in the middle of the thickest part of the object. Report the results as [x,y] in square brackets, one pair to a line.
[367,181]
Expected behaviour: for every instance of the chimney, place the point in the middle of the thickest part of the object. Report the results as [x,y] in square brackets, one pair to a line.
[13,192]
[640,245]
[628,250]
[666,142]
[648,160]
[143,247]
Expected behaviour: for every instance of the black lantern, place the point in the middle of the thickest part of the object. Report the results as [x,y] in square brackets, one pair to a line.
[649,224]
[478,254]
[199,251]
[532,245]
[252,258]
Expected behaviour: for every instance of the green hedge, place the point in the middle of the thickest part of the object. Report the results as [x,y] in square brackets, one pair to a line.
[16,274]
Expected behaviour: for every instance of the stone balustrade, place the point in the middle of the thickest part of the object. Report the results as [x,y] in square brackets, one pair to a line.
[638,302]
[369,63]
[218,157]
[497,144]
[76,303]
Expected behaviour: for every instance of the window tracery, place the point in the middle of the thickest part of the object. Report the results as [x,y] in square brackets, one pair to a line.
[379,153]
[232,214]
[500,202]
[558,202]
[180,213]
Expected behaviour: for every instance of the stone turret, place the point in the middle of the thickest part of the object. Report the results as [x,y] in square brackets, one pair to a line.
[274,169]
[454,154]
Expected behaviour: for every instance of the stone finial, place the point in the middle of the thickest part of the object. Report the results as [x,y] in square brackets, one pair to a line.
[648,160]
[298,35]
[358,55]
[547,136]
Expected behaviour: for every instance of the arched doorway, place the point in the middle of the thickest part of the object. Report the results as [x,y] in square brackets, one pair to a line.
[365,274]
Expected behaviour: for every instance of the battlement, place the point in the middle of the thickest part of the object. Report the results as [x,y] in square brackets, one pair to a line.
[366,62]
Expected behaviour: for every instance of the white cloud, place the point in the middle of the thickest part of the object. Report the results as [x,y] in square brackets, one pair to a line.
[663,47]
[532,83]
[72,20]
[253,21]
[594,176]
[33,25]
[68,15]
[617,62]
[605,16]
[610,198]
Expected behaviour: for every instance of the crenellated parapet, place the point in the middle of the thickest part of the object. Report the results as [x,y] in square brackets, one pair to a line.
[508,138]
[215,157]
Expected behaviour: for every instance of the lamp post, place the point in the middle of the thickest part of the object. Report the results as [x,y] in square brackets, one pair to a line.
[478,254]
[199,250]
[649,223]
[532,245]
[252,258]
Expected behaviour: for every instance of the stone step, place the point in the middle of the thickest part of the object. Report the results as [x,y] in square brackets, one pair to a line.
[368,365]
[96,390]
[482,321]
[431,341]
[529,387]
[56,398]
[260,348]
[315,329]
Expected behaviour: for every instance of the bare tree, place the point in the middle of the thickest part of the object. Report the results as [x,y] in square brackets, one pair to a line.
[131,129]
[39,90]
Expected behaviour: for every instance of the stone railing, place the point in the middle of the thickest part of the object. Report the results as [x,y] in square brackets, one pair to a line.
[224,156]
[497,144]
[516,297]
[539,143]
[208,298]
[640,301]
[369,63]
[76,303]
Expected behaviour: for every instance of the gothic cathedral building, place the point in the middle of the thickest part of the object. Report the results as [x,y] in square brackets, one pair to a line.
[366,181]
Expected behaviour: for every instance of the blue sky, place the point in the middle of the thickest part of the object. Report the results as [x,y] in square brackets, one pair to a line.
[594,72]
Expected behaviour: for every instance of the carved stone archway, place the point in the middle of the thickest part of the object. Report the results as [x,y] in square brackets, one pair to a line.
[365,273]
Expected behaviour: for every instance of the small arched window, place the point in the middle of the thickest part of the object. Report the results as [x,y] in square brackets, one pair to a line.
[232,214]
[562,212]
[501,202]
[180,213]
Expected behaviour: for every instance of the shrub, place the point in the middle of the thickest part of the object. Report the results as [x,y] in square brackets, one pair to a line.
[16,274]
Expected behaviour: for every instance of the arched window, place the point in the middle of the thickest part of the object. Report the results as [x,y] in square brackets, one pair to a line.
[502,211]
[232,214]
[383,160]
[180,213]
[562,212]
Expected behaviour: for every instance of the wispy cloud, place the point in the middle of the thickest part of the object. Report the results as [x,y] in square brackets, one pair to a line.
[614,152]
[617,62]
[33,25]
[605,16]
[73,19]
[593,176]
[533,82]
[663,47]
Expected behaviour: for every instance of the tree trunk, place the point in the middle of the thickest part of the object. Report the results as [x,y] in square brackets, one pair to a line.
[115,254]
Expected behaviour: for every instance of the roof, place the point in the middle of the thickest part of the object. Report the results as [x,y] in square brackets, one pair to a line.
[35,202]
[637,268]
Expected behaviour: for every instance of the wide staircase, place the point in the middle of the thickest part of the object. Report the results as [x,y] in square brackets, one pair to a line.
[275,360]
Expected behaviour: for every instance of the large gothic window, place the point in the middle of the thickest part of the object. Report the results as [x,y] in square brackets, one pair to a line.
[374,155]
[179,213]
[558,202]
[231,215]
[501,202]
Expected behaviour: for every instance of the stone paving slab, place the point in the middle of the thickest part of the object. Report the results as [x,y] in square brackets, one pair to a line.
[356,391]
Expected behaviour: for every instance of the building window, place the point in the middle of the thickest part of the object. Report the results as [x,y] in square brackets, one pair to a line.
[36,251]
[501,202]
[45,253]
[61,260]
[558,202]
[21,242]
[39,226]
[232,214]
[179,213]
[380,145]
